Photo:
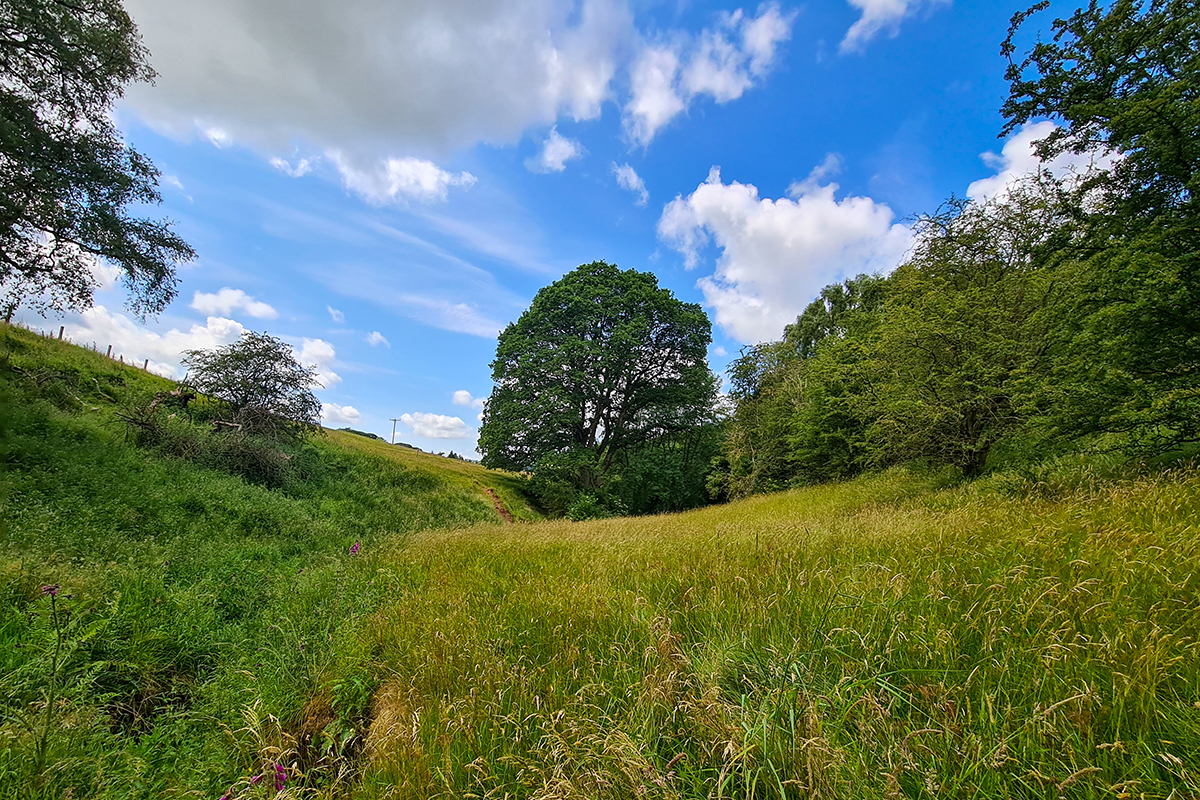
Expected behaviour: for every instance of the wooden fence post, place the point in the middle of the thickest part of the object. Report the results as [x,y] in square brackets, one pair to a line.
[146,364]
[109,352]
[60,331]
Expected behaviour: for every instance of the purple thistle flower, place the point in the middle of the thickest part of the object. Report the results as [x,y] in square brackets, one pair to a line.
[354,549]
[50,589]
[280,777]
[256,780]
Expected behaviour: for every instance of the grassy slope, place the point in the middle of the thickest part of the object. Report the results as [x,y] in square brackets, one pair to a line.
[898,635]
[191,590]
[461,473]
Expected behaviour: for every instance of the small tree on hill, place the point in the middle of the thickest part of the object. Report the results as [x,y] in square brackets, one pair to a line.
[260,379]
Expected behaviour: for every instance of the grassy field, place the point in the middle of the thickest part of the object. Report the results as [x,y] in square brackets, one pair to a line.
[900,635]
[187,593]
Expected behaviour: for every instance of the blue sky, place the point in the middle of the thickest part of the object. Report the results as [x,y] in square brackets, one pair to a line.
[386,185]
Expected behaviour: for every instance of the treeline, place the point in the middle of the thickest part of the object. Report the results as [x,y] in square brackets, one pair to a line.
[1059,314]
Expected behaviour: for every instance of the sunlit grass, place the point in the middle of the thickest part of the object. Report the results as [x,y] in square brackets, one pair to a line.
[883,637]
[900,635]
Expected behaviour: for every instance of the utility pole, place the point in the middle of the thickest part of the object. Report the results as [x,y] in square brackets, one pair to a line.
[394,421]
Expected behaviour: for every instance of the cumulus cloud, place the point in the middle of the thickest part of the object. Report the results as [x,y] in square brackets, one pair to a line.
[334,413]
[1017,159]
[136,343]
[374,77]
[463,398]
[335,315]
[879,16]
[556,151]
[720,62]
[320,354]
[436,426]
[629,180]
[227,300]
[375,338]
[398,179]
[776,255]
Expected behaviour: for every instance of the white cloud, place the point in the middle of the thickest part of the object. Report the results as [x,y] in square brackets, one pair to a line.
[346,415]
[320,354]
[879,16]
[227,300]
[136,343]
[398,179]
[463,398]
[721,62]
[720,352]
[1017,159]
[628,179]
[335,315]
[374,77]
[556,151]
[302,167]
[776,255]
[217,137]
[375,338]
[436,426]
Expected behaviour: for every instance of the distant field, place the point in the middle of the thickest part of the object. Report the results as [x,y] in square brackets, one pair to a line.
[900,635]
[506,487]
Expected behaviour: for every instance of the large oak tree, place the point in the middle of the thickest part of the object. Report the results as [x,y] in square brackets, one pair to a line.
[603,360]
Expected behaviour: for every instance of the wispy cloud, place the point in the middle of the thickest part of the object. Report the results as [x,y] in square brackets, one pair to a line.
[630,181]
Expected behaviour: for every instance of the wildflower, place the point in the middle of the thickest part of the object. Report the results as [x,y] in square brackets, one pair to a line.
[256,780]
[354,549]
[280,777]
[50,589]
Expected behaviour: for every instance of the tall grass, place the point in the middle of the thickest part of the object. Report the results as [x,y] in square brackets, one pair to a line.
[900,635]
[893,636]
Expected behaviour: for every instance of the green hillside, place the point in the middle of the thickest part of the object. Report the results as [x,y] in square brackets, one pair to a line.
[905,634]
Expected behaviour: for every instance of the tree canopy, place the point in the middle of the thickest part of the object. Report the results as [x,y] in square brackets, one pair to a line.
[1125,77]
[602,361]
[67,179]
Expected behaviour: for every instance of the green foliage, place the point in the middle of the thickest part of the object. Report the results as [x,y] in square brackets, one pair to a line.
[966,329]
[602,362]
[67,180]
[798,414]
[1057,315]
[1125,77]
[262,382]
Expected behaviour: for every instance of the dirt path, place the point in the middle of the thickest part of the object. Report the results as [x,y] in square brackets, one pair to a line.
[504,513]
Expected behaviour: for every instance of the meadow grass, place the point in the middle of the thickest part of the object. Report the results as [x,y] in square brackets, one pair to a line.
[894,636]
[899,635]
